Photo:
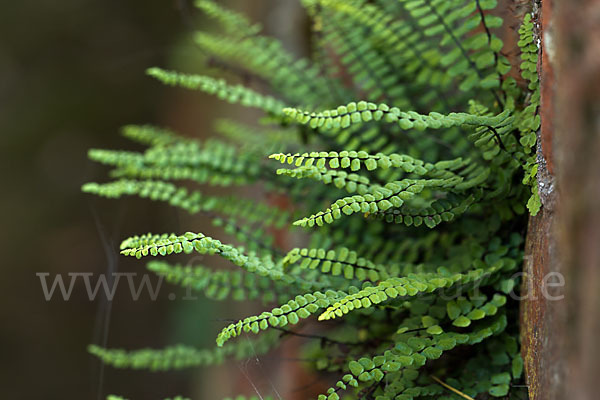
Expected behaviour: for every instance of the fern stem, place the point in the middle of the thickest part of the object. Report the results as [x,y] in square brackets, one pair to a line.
[450,388]
[325,339]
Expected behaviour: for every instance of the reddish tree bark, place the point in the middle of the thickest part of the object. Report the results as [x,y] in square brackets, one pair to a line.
[560,350]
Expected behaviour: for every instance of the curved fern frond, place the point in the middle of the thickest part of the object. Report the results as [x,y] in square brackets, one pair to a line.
[154,245]
[363,111]
[410,355]
[392,194]
[191,201]
[341,179]
[443,210]
[252,139]
[114,397]
[231,94]
[267,58]
[151,135]
[470,55]
[242,397]
[165,244]
[403,293]
[222,284]
[301,307]
[181,356]
[340,262]
[409,286]
[212,161]
[355,160]
[529,120]
[398,47]
[235,24]
[360,59]
[462,312]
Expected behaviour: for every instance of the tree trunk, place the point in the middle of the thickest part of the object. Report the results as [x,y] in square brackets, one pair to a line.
[559,323]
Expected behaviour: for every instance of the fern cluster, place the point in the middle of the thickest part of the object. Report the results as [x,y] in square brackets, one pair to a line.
[411,203]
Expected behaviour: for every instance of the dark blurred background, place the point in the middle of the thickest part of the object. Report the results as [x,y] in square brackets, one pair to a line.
[71,74]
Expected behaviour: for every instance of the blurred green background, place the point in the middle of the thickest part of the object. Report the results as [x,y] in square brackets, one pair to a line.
[71,74]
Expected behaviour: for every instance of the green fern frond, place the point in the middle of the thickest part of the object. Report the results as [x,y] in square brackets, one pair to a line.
[405,286]
[180,356]
[355,160]
[341,262]
[467,57]
[165,244]
[342,180]
[154,245]
[234,23]
[222,285]
[114,397]
[242,397]
[443,210]
[218,87]
[267,58]
[354,113]
[252,139]
[151,135]
[392,194]
[529,119]
[212,155]
[416,353]
[301,307]
[402,54]
[367,67]
[442,189]
[193,201]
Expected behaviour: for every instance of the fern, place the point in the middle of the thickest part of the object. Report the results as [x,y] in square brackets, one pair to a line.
[218,87]
[415,197]
[113,397]
[179,357]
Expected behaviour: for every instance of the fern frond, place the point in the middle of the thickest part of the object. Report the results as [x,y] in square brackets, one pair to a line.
[154,245]
[443,210]
[392,194]
[409,286]
[230,93]
[414,353]
[151,135]
[180,356]
[242,397]
[341,262]
[365,65]
[165,244]
[114,397]
[360,112]
[214,162]
[403,293]
[234,23]
[296,79]
[529,120]
[462,312]
[398,48]
[301,307]
[252,139]
[191,201]
[222,285]
[469,57]
[255,238]
[355,160]
[341,179]
[199,174]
